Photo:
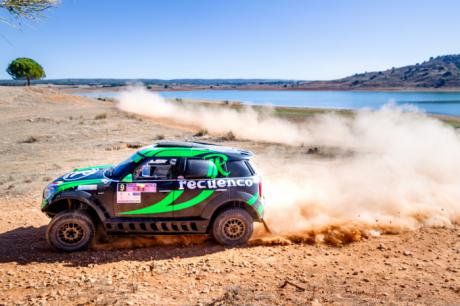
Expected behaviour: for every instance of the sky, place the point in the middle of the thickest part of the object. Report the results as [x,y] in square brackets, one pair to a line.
[276,39]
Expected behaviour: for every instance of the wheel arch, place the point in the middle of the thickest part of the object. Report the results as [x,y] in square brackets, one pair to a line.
[76,200]
[229,205]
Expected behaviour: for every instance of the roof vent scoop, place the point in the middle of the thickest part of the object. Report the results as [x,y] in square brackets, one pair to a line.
[184,144]
[172,144]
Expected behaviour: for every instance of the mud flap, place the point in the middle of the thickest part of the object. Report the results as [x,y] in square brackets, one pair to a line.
[266,227]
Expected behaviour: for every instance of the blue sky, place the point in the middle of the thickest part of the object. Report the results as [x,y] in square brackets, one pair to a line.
[290,39]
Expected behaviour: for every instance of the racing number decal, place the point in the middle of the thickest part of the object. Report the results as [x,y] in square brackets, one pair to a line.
[131,192]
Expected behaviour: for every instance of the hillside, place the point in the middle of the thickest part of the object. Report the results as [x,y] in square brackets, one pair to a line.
[440,72]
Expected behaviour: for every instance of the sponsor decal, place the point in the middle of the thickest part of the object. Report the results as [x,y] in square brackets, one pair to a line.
[131,192]
[87,187]
[145,187]
[158,161]
[77,175]
[215,183]
[128,197]
[219,161]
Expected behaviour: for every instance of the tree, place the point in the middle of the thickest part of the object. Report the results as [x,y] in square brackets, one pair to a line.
[26,9]
[25,69]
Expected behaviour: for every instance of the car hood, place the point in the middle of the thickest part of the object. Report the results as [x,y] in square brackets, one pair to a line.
[83,175]
[89,178]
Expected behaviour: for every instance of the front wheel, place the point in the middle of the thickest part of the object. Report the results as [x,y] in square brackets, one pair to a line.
[70,231]
[232,227]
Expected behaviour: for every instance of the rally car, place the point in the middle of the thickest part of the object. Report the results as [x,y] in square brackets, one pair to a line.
[165,188]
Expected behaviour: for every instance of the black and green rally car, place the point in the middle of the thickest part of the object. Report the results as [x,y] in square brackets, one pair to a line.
[166,188]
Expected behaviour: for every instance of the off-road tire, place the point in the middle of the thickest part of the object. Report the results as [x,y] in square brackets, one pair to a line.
[232,227]
[70,231]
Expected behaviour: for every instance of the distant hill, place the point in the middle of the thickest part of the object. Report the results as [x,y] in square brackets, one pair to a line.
[440,72]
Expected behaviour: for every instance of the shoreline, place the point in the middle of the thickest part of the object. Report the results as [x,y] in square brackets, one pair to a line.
[293,113]
[75,88]
[302,112]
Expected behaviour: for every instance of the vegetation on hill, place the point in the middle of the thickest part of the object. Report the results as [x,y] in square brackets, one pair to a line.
[442,71]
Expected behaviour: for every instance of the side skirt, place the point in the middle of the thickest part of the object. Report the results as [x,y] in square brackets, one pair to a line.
[121,226]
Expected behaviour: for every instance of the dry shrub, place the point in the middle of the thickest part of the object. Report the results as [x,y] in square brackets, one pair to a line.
[201,133]
[132,145]
[30,139]
[228,137]
[100,116]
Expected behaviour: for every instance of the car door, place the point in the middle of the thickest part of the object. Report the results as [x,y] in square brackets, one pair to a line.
[197,187]
[151,191]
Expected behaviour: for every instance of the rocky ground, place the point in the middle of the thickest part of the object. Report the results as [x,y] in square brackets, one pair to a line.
[45,133]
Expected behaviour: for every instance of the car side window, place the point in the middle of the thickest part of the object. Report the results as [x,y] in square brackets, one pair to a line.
[155,169]
[199,168]
[238,168]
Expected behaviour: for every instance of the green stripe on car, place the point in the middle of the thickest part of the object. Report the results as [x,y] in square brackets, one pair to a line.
[253,199]
[159,207]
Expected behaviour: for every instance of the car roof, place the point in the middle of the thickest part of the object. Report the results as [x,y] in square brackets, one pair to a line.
[163,146]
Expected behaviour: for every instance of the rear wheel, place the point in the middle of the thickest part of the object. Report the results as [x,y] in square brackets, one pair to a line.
[233,227]
[70,231]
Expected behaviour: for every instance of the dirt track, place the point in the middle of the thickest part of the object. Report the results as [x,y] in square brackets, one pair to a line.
[44,134]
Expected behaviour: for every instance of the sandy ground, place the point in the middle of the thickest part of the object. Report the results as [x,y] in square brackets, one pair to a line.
[45,133]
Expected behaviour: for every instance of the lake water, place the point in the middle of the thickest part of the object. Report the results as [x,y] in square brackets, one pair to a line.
[432,102]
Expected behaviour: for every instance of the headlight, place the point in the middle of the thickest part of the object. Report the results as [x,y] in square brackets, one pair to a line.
[49,192]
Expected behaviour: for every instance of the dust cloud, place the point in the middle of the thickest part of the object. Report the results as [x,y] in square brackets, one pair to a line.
[117,243]
[244,124]
[392,169]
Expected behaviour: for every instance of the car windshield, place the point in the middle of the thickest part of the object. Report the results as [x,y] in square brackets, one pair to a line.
[119,169]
